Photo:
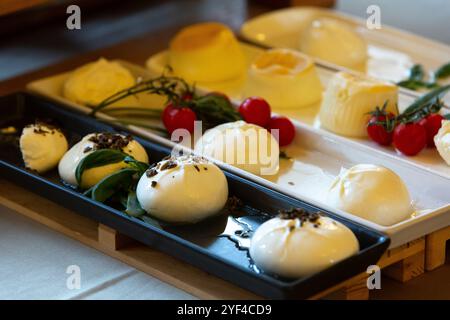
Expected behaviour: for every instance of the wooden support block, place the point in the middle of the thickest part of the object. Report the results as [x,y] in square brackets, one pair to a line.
[111,239]
[357,290]
[435,248]
[407,268]
[402,252]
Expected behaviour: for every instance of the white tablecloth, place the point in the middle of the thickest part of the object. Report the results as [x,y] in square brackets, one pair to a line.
[34,260]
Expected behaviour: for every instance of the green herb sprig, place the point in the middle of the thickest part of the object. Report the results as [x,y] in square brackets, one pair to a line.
[168,86]
[416,79]
[419,109]
[212,109]
[120,186]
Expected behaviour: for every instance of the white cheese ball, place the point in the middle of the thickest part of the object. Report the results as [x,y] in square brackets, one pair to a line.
[69,163]
[42,146]
[186,189]
[336,42]
[442,141]
[294,248]
[371,192]
[241,144]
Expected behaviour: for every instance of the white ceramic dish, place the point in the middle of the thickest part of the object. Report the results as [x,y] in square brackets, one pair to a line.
[392,52]
[428,159]
[317,157]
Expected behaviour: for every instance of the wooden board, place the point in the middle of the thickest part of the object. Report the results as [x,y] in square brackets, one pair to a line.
[435,250]
[10,6]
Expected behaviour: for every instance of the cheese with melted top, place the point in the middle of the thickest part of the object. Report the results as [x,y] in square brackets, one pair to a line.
[285,78]
[206,52]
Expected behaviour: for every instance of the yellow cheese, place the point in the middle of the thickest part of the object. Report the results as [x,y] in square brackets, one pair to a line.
[96,81]
[285,78]
[348,100]
[336,42]
[206,52]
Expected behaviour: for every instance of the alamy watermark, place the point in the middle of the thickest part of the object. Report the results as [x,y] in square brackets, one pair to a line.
[373,21]
[253,146]
[73,21]
[374,280]
[73,281]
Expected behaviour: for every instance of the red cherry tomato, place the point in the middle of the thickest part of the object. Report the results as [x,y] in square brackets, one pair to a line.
[286,129]
[176,118]
[432,123]
[378,132]
[165,116]
[410,138]
[255,110]
[187,96]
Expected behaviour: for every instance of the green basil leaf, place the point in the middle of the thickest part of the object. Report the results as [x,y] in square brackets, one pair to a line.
[133,207]
[98,158]
[443,71]
[215,109]
[426,98]
[416,73]
[417,84]
[140,167]
[447,116]
[112,184]
[151,221]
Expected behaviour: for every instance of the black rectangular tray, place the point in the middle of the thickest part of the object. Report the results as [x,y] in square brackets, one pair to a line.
[197,244]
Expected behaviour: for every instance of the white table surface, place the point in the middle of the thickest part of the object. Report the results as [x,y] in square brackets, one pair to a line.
[34,260]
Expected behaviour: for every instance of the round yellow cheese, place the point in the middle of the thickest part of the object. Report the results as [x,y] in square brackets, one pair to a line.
[285,78]
[206,52]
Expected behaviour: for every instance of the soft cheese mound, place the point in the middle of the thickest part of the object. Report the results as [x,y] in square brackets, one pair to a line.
[300,244]
[94,82]
[95,141]
[371,192]
[241,144]
[336,42]
[349,99]
[285,78]
[42,146]
[442,141]
[183,189]
[206,52]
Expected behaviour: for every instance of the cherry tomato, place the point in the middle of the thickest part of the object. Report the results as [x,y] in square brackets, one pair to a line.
[432,123]
[176,118]
[165,116]
[187,96]
[286,129]
[255,110]
[410,138]
[378,132]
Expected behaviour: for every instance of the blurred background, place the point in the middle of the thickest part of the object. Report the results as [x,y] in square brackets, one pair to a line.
[33,32]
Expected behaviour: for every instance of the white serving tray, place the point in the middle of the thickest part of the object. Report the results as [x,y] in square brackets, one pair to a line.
[392,52]
[427,159]
[315,153]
